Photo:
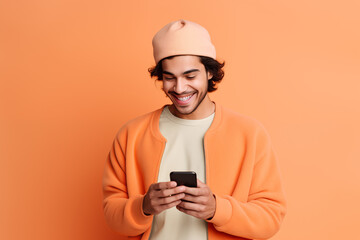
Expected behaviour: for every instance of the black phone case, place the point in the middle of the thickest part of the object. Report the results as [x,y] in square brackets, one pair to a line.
[187,178]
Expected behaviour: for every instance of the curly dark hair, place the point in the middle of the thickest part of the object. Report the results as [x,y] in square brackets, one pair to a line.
[210,64]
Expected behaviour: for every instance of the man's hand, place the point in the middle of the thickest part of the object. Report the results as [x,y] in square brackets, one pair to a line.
[199,202]
[162,196]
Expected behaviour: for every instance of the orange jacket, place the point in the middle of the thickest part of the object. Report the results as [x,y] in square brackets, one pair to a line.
[241,170]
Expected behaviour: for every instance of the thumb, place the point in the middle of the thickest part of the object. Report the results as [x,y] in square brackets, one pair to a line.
[200,183]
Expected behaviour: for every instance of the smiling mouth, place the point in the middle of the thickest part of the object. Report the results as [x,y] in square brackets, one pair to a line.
[183,99]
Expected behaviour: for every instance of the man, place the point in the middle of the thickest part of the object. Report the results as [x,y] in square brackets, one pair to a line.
[239,193]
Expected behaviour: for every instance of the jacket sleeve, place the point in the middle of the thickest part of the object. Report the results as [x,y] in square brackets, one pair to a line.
[261,215]
[123,214]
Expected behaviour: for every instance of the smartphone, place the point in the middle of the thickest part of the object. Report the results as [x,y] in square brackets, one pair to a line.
[186,178]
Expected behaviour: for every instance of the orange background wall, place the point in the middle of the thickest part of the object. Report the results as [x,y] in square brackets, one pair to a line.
[72,72]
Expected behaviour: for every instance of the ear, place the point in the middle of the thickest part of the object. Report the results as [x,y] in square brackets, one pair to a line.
[209,75]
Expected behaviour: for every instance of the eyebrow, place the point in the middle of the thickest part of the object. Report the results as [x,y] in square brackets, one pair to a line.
[184,73]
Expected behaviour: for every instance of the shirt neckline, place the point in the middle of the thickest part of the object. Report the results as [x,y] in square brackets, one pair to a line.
[190,122]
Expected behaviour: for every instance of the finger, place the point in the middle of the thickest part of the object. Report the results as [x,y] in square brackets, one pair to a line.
[192,206]
[170,205]
[200,183]
[189,212]
[171,191]
[194,199]
[156,205]
[164,185]
[196,191]
[172,198]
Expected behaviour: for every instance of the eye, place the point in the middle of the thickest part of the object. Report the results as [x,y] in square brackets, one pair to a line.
[190,77]
[168,78]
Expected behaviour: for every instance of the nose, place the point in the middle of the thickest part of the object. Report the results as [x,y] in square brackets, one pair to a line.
[180,86]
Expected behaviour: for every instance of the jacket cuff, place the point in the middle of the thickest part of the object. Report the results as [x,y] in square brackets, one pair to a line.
[223,211]
[137,209]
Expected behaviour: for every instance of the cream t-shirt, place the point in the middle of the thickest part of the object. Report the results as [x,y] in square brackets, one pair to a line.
[184,151]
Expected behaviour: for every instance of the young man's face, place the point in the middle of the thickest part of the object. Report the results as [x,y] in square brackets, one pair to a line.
[185,82]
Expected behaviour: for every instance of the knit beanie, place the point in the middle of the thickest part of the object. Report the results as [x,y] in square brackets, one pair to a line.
[182,37]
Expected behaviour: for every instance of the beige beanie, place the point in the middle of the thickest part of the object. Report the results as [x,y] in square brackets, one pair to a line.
[182,37]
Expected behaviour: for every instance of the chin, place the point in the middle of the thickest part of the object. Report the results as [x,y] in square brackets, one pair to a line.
[185,110]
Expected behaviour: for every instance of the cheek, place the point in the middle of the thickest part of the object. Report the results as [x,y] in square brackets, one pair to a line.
[166,86]
[203,84]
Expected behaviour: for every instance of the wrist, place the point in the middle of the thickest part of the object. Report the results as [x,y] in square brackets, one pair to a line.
[144,208]
[214,207]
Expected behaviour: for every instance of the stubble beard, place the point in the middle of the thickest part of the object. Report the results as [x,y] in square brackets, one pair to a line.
[196,107]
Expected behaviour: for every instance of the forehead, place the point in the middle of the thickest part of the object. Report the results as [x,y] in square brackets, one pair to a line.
[180,64]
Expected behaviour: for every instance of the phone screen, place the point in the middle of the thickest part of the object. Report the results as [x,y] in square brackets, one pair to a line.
[186,178]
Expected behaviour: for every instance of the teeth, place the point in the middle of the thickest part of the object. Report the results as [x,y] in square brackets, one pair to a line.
[185,98]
